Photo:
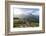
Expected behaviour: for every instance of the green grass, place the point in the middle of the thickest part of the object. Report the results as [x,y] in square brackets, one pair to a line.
[18,23]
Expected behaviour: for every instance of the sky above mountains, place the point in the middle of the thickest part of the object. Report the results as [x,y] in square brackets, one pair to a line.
[25,11]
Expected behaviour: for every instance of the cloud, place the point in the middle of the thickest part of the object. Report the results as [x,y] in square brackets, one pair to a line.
[25,11]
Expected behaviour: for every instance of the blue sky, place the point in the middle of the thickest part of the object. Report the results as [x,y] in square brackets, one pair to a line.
[26,11]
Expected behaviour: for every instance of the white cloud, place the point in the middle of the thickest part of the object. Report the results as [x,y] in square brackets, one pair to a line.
[18,12]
